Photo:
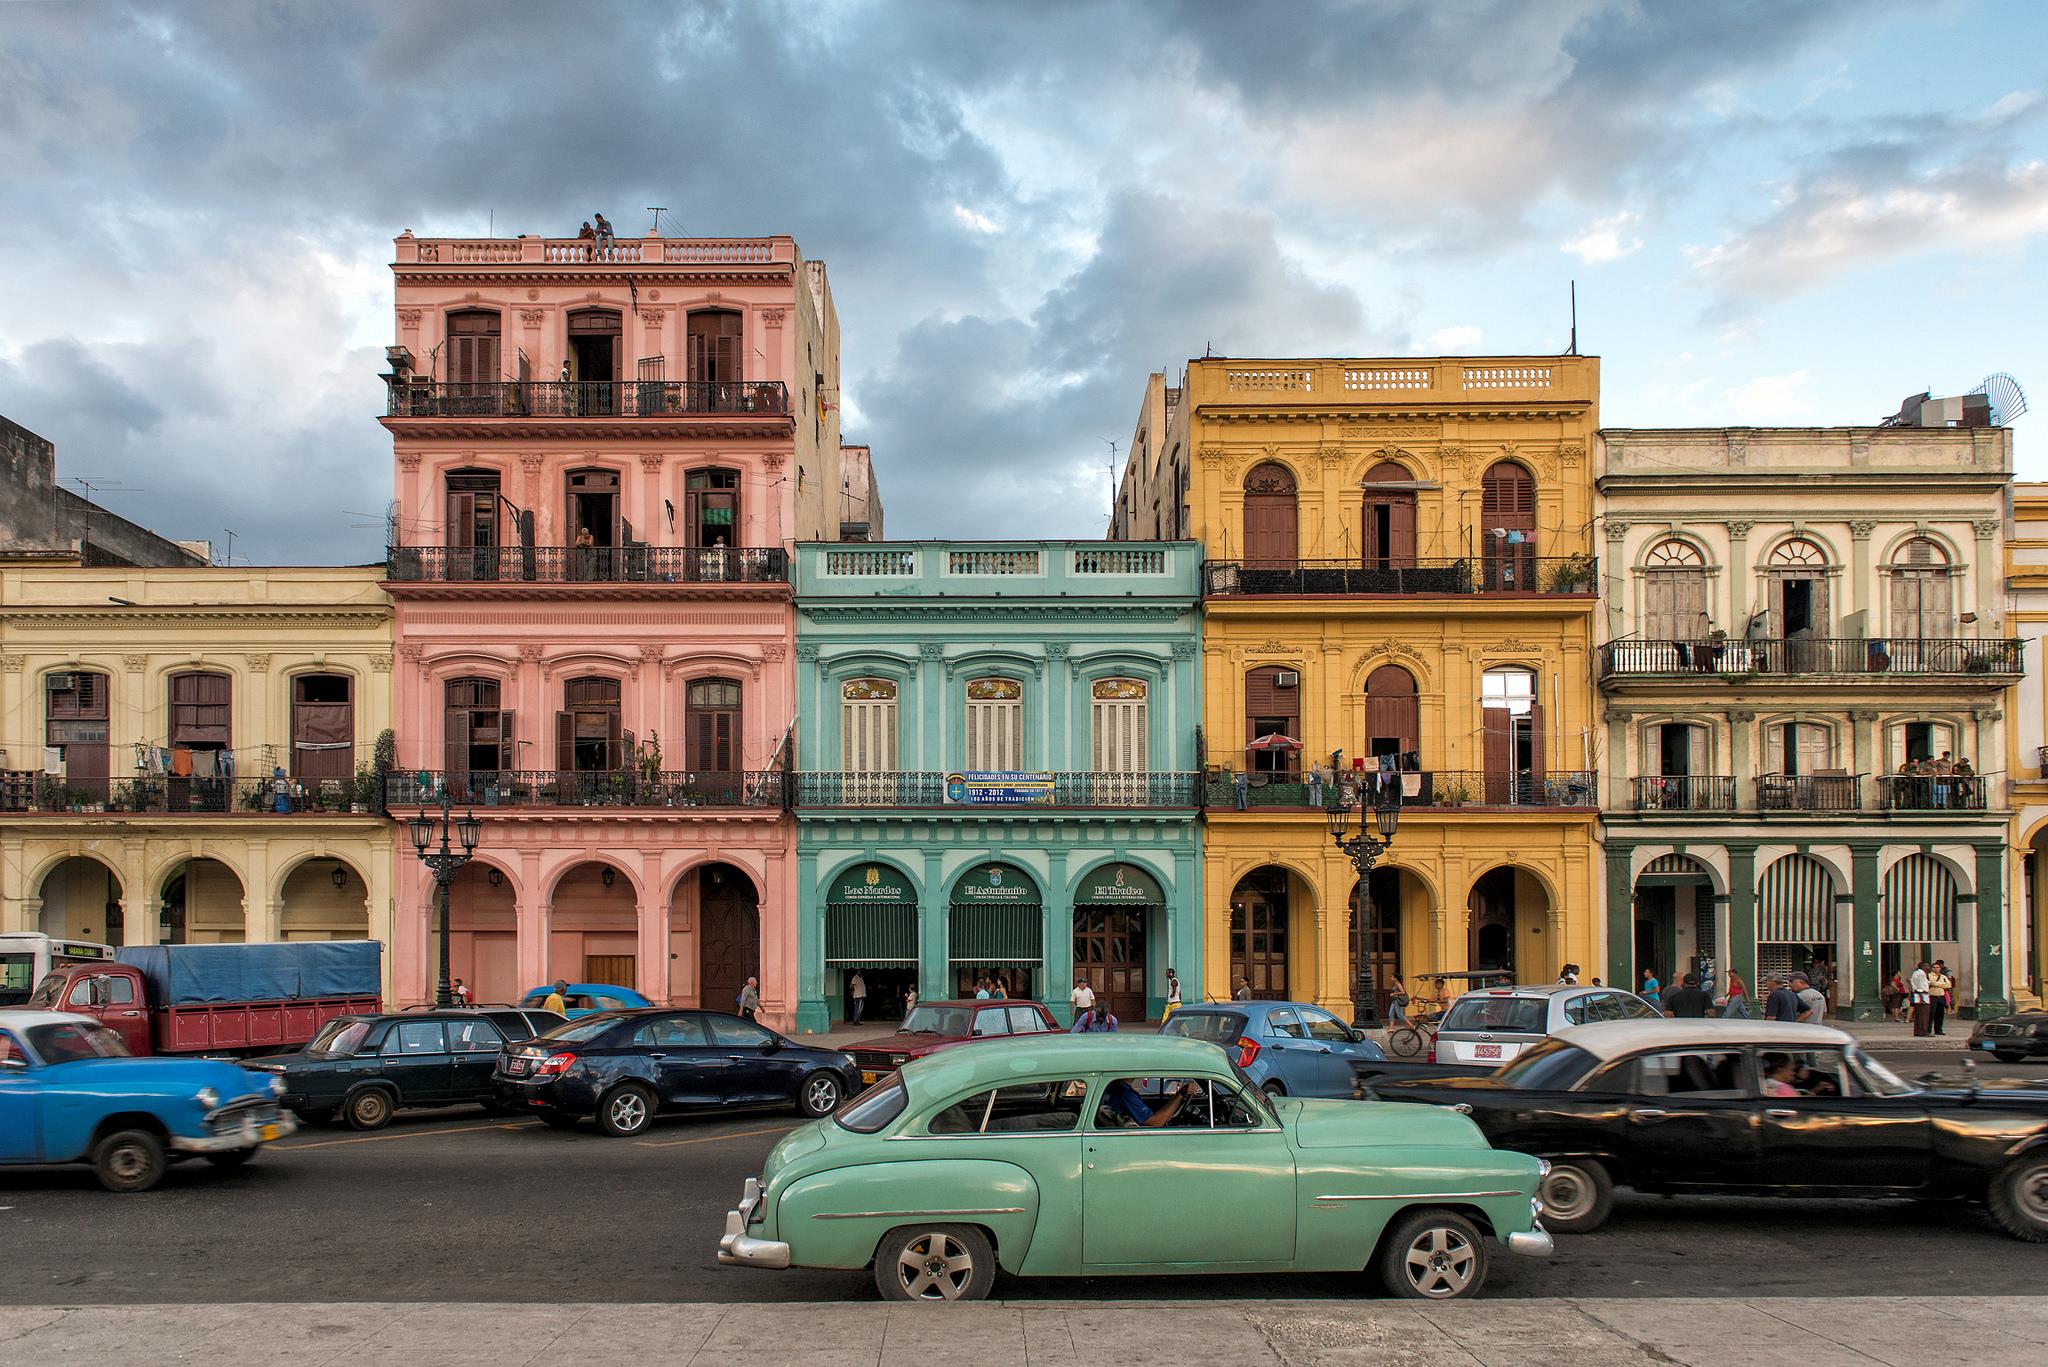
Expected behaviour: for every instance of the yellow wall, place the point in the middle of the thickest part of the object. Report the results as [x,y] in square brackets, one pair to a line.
[2026,732]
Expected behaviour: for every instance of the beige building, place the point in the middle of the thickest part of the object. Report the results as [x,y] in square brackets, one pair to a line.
[2026,568]
[188,753]
[1804,667]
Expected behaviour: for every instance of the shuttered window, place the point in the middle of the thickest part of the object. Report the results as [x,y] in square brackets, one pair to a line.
[1389,518]
[323,726]
[1921,596]
[473,347]
[715,345]
[995,725]
[1272,705]
[1674,592]
[588,732]
[1393,716]
[867,740]
[711,722]
[1507,521]
[1119,726]
[200,711]
[1801,747]
[1269,517]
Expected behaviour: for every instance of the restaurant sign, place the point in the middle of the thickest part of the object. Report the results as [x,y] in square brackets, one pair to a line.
[873,883]
[1007,788]
[995,885]
[1120,884]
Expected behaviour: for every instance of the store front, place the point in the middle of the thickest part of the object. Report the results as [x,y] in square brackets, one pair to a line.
[871,930]
[1116,910]
[995,928]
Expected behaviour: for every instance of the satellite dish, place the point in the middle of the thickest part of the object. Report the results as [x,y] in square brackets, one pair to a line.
[2008,400]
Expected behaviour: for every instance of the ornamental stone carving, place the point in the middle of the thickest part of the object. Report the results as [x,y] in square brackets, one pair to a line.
[258,663]
[1183,650]
[1056,650]
[380,664]
[1740,528]
[408,318]
[774,460]
[1617,531]
[135,664]
[1861,528]
[529,652]
[408,461]
[651,461]
[1863,714]
[1987,527]
[1510,645]
[1742,716]
[1571,453]
[774,652]
[532,318]
[932,650]
[650,653]
[531,464]
[807,650]
[412,650]
[773,317]
[12,663]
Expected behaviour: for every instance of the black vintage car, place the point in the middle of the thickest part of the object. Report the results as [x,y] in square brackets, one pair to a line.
[1748,1108]
[365,1068]
[2009,1039]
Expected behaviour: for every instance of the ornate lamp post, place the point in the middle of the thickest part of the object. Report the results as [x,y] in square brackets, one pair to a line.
[443,863]
[1364,849]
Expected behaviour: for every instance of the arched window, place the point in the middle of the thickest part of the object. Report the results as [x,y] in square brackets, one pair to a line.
[867,740]
[1922,599]
[1798,575]
[1389,517]
[1272,707]
[75,726]
[1117,709]
[476,735]
[473,336]
[711,726]
[995,725]
[1269,518]
[1511,748]
[589,731]
[1507,525]
[714,347]
[1393,717]
[1675,592]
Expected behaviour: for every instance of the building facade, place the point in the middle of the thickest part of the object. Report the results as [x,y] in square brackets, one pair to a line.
[1398,587]
[1804,676]
[2026,712]
[189,754]
[996,772]
[603,454]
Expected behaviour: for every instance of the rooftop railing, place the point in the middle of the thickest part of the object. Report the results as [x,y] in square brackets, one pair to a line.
[587,564]
[1574,575]
[418,398]
[935,789]
[1897,656]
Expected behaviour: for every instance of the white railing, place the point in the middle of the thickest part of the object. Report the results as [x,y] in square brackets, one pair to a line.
[992,562]
[1389,378]
[869,564]
[1301,381]
[1121,560]
[587,252]
[1507,377]
[731,252]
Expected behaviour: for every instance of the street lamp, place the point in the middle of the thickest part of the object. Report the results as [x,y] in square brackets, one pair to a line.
[1364,850]
[443,863]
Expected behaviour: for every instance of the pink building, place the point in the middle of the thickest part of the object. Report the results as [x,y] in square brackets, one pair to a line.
[603,455]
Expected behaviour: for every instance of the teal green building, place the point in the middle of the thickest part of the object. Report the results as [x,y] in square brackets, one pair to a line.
[996,758]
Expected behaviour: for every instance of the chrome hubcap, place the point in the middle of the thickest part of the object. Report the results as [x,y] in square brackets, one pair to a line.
[128,1163]
[628,1112]
[1567,1194]
[1441,1262]
[824,1094]
[2030,1191]
[935,1267]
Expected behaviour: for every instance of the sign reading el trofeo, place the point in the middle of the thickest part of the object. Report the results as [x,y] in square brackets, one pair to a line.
[873,883]
[1008,788]
[994,884]
[1119,883]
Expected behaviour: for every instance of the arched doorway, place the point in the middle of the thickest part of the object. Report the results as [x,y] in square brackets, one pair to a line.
[1507,528]
[1509,909]
[1269,518]
[594,929]
[324,899]
[483,934]
[81,900]
[1115,908]
[728,935]
[871,927]
[1259,908]
[203,904]
[1376,942]
[995,928]
[1675,929]
[1389,517]
[1918,918]
[1795,917]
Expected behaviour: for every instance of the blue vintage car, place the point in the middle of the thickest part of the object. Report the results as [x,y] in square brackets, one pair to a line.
[1287,1048]
[583,999]
[69,1093]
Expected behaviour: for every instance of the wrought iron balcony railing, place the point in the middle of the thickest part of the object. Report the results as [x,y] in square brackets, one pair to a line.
[935,789]
[1937,792]
[1684,793]
[485,788]
[587,564]
[1809,792]
[1575,575]
[416,398]
[1896,656]
[172,795]
[1444,788]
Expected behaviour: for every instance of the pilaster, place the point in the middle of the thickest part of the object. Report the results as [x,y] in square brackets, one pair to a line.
[1865,999]
[1742,912]
[1993,996]
[1621,921]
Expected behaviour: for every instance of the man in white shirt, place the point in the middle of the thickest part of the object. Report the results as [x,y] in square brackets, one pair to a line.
[1083,997]
[859,989]
[1923,998]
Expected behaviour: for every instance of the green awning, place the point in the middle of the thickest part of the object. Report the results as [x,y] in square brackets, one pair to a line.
[1919,903]
[1009,934]
[1795,902]
[874,933]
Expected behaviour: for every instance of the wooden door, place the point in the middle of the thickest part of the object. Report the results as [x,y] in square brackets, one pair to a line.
[1272,707]
[711,722]
[714,346]
[1507,527]
[615,969]
[1109,955]
[728,940]
[1270,540]
[1258,938]
[1393,716]
[473,349]
[1389,519]
[75,721]
[323,727]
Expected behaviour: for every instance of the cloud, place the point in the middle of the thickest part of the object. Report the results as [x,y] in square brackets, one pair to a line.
[1608,239]
[968,218]
[1770,400]
[1462,339]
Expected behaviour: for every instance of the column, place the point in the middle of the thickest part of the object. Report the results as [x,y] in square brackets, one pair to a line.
[1621,766]
[262,913]
[532,923]
[1866,997]
[1985,573]
[1740,585]
[1621,922]
[1056,930]
[1742,913]
[934,912]
[930,750]
[1859,583]
[1741,738]
[1993,996]
[1864,756]
[651,923]
[813,1013]
[1058,748]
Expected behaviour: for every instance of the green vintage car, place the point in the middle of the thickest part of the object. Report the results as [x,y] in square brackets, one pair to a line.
[1085,1154]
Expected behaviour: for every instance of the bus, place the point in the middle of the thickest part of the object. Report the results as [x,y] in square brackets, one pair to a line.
[25,956]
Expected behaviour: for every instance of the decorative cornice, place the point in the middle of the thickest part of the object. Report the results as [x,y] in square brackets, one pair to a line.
[1510,645]
[143,619]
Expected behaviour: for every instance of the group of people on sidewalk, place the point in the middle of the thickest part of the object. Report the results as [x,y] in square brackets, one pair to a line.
[1791,997]
[1923,997]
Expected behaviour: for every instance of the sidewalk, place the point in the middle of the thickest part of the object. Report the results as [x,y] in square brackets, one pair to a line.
[1990,1331]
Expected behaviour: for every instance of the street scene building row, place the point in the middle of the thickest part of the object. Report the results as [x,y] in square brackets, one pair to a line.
[1675,699]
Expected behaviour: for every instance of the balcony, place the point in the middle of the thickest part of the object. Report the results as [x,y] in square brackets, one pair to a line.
[1443,788]
[1684,793]
[1935,793]
[559,788]
[1809,792]
[411,397]
[1575,576]
[1168,791]
[166,795]
[487,565]
[1995,662]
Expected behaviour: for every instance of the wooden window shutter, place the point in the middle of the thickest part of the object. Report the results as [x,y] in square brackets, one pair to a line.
[1497,752]
[1536,756]
[507,757]
[455,740]
[565,741]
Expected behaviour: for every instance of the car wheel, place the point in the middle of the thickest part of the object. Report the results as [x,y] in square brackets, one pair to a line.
[1577,1195]
[2019,1198]
[1434,1255]
[560,1120]
[1274,1087]
[626,1111]
[369,1109]
[820,1094]
[935,1263]
[129,1160]
[233,1158]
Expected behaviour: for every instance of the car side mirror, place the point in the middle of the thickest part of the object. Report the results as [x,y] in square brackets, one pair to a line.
[774,1043]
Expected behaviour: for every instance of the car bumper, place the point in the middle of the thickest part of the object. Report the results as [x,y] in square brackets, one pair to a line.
[545,1094]
[738,1247]
[245,1135]
[1532,1243]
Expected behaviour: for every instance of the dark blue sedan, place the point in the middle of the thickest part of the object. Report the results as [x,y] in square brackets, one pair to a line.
[1288,1048]
[625,1067]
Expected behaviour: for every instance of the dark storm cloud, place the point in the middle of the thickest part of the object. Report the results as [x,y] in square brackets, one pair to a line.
[1017,222]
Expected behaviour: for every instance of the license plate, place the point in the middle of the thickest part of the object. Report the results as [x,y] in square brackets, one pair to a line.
[868,1077]
[516,1067]
[1987,1046]
[268,1133]
[1486,1051]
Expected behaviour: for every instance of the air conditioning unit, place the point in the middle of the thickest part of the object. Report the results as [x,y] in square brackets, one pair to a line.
[1287,678]
[61,683]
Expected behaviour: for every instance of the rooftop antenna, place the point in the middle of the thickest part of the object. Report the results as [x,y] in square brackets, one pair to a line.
[1575,320]
[1111,466]
[94,486]
[492,230]
[2006,397]
[231,546]
[657,210]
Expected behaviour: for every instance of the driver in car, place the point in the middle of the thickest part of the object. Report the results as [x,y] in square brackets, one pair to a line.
[1122,1099]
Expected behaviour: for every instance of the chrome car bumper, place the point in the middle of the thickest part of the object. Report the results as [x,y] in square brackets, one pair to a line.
[738,1247]
[1532,1243]
[245,1132]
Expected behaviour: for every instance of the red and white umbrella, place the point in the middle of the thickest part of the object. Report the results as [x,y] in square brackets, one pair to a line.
[1276,741]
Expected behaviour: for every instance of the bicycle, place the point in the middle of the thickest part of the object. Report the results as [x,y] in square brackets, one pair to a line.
[1406,1041]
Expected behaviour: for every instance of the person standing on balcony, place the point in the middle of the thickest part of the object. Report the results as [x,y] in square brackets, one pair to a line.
[1241,789]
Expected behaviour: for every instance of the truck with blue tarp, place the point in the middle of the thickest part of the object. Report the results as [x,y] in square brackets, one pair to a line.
[220,999]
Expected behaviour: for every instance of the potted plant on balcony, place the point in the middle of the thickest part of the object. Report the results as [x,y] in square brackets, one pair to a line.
[1573,574]
[648,760]
[1453,792]
[1978,662]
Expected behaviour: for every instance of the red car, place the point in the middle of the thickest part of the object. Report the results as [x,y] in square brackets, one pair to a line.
[932,1026]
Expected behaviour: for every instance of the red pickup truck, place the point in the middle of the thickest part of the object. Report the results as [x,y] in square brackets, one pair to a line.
[220,999]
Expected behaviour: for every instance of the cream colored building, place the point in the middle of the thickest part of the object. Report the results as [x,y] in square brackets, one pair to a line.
[187,753]
[2026,567]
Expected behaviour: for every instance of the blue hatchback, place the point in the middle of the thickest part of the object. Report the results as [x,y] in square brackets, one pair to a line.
[1288,1048]
[582,999]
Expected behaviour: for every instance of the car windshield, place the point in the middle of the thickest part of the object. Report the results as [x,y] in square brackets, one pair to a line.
[17,976]
[1876,1078]
[338,1039]
[68,1042]
[49,993]
[874,1108]
[1486,1011]
[1217,1027]
[580,1031]
[1549,1066]
[948,1021]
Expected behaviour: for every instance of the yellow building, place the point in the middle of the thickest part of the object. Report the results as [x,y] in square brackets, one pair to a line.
[2026,730]
[1399,572]
[187,753]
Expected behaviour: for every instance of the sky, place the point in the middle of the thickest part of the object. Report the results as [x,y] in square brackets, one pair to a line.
[1776,213]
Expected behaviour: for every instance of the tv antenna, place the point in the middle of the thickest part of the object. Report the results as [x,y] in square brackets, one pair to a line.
[2008,400]
[657,210]
[1111,466]
[1575,320]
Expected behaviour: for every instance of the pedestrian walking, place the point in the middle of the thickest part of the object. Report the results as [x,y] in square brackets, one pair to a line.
[1082,997]
[1651,990]
[1397,1002]
[1690,1001]
[1813,1007]
[1895,996]
[998,989]
[1243,991]
[460,993]
[750,999]
[1919,991]
[909,999]
[1737,1005]
[981,992]
[554,1000]
[858,989]
[1172,996]
[1780,1003]
[1940,997]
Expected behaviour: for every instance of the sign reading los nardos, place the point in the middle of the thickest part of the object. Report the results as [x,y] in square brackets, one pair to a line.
[873,883]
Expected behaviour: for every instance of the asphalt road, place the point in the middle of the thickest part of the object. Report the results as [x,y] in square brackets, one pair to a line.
[462,1206]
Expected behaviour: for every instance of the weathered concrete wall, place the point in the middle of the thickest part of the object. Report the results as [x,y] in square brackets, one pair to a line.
[38,516]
